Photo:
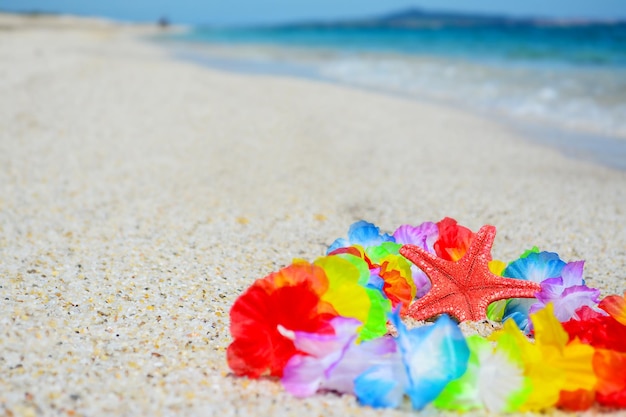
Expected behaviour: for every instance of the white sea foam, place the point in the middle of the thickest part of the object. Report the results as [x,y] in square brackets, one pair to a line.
[591,100]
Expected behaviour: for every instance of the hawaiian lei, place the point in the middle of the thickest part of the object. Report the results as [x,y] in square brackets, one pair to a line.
[323,326]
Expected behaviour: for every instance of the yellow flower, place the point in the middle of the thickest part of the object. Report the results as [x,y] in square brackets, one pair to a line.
[552,364]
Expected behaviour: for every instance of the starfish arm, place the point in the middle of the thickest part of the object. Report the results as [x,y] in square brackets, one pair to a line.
[478,254]
[504,288]
[428,307]
[482,242]
[424,260]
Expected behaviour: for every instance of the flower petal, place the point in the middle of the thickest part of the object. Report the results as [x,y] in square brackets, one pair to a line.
[306,372]
[432,355]
[517,309]
[616,307]
[344,292]
[398,281]
[361,233]
[573,274]
[535,267]
[259,314]
[425,235]
[454,240]
[338,244]
[597,329]
[357,359]
[493,381]
[381,386]
[610,367]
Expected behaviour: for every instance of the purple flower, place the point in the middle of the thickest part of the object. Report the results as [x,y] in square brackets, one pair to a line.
[568,293]
[425,235]
[332,362]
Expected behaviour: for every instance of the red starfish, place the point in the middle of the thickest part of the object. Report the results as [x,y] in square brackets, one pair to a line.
[464,288]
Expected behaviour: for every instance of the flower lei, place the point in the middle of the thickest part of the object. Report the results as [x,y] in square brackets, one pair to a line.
[323,326]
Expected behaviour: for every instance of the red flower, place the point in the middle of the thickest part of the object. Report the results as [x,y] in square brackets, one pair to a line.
[608,336]
[453,240]
[260,319]
[597,330]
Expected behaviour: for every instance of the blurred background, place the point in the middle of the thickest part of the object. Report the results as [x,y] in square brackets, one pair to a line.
[247,12]
[556,70]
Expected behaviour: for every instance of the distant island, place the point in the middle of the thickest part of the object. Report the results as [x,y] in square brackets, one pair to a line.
[420,18]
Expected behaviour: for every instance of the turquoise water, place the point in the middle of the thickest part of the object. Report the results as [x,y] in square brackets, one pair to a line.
[589,45]
[567,78]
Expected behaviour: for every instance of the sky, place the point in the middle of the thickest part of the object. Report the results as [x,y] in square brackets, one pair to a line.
[239,12]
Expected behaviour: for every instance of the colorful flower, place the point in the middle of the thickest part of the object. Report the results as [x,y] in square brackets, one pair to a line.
[494,380]
[608,336]
[610,367]
[615,306]
[535,266]
[424,236]
[567,292]
[380,306]
[389,272]
[597,329]
[453,240]
[332,361]
[351,299]
[398,284]
[287,300]
[430,357]
[361,233]
[532,266]
[552,364]
[382,251]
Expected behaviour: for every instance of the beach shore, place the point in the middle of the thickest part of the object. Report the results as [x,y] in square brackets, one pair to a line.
[140,195]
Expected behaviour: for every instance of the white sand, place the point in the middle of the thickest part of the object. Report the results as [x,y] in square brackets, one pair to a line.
[139,196]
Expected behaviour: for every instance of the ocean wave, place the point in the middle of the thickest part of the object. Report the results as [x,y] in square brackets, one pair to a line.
[593,100]
[571,78]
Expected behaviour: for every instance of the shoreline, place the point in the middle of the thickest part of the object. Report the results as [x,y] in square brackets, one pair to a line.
[142,194]
[580,144]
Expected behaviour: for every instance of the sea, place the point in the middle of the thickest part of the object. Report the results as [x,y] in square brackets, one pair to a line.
[561,83]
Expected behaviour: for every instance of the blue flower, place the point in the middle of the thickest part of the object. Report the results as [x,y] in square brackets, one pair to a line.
[536,267]
[361,233]
[429,358]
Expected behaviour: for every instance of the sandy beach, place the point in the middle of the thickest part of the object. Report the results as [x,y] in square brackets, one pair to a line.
[140,195]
